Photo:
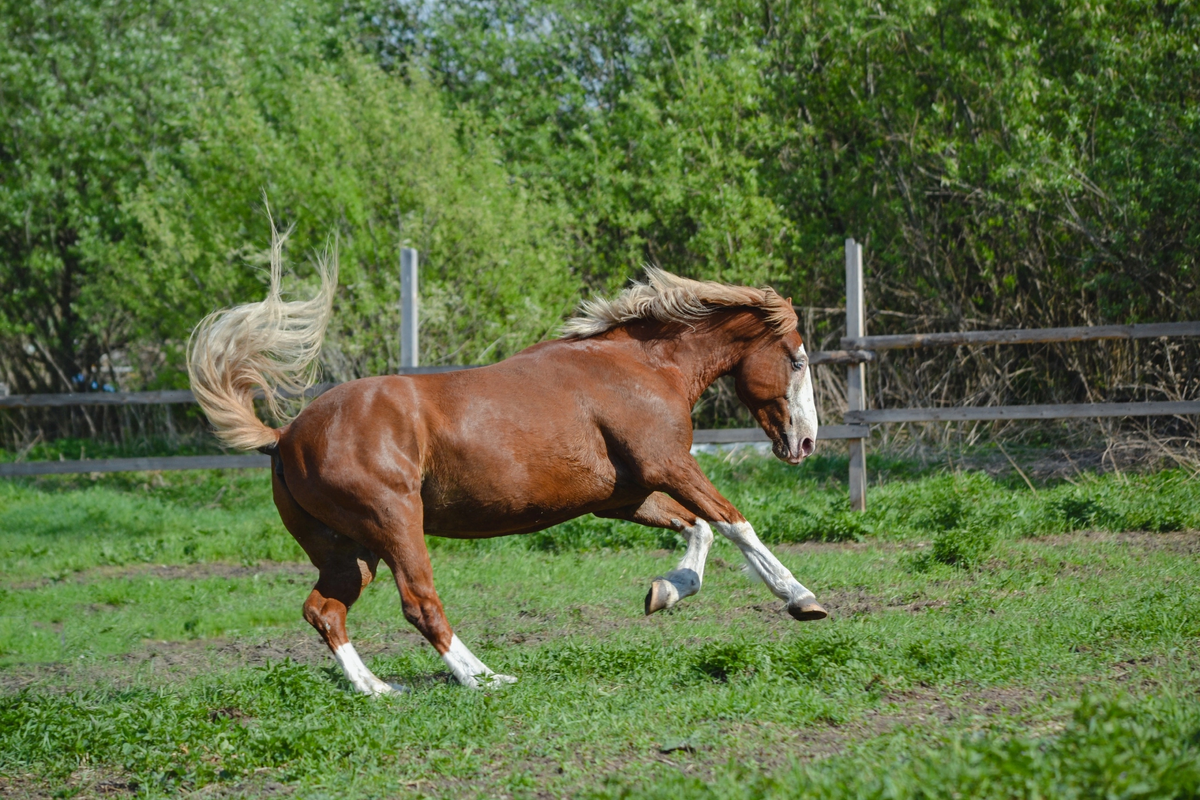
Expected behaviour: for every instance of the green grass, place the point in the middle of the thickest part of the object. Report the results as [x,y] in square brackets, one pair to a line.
[150,636]
[195,439]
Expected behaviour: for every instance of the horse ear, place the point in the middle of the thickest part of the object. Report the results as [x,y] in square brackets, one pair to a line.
[789,301]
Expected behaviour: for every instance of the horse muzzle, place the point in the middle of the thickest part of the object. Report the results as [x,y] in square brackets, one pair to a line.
[793,449]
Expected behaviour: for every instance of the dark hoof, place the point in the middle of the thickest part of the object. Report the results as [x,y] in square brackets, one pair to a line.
[808,611]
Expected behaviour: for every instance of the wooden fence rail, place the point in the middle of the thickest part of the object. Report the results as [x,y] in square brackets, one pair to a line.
[181,396]
[97,399]
[1090,333]
[27,468]
[152,464]
[858,350]
[166,463]
[165,397]
[857,340]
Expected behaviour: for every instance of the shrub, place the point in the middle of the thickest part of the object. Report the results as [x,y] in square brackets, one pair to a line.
[722,661]
[963,547]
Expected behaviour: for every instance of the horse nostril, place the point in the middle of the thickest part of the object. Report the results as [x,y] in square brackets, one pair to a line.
[807,446]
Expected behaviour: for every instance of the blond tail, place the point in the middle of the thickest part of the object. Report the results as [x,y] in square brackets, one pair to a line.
[272,346]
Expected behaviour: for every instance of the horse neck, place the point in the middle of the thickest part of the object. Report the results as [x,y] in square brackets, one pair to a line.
[711,349]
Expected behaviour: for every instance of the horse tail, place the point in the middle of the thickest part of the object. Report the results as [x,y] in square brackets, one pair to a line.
[272,345]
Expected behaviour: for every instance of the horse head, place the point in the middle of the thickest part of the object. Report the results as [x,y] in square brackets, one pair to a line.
[755,331]
[774,381]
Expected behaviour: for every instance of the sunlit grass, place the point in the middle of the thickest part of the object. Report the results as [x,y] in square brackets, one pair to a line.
[975,646]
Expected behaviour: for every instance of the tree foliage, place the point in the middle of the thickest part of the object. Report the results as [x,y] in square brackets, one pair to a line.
[998,158]
[141,141]
[1006,164]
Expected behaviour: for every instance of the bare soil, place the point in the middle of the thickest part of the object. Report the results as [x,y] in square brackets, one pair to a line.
[91,784]
[178,660]
[180,572]
[1181,542]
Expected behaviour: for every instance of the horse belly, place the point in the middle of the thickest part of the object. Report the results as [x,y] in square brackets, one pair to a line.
[514,500]
[515,451]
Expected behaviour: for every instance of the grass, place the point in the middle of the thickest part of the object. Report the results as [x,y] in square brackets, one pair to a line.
[985,640]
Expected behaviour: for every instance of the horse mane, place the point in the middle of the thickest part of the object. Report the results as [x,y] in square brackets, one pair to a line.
[670,298]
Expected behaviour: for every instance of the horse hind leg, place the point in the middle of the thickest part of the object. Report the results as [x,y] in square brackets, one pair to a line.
[661,511]
[346,568]
[339,585]
[400,540]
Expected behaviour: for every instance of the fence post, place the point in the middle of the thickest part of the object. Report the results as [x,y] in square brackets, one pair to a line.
[409,355]
[856,374]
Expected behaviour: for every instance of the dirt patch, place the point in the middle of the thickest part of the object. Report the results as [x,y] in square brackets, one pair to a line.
[921,705]
[163,661]
[1182,542]
[847,603]
[83,783]
[91,784]
[854,602]
[166,572]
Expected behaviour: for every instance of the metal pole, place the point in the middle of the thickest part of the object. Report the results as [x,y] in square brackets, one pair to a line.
[409,355]
[856,374]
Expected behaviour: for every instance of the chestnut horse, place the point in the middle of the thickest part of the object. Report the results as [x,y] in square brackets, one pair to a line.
[596,422]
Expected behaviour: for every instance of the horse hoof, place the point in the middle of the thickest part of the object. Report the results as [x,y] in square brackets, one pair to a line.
[807,611]
[496,681]
[381,688]
[662,595]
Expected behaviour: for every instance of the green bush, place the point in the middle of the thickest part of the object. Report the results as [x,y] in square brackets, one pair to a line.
[815,519]
[962,547]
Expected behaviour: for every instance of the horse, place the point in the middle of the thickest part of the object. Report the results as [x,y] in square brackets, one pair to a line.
[597,421]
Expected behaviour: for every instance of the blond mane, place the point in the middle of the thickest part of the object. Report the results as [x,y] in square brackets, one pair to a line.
[670,298]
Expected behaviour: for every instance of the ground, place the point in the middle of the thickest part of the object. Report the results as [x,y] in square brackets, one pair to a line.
[984,639]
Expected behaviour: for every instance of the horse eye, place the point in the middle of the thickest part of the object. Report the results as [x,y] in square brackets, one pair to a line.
[799,363]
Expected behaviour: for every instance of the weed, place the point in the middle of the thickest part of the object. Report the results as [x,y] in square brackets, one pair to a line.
[810,658]
[1077,509]
[722,661]
[726,671]
[962,547]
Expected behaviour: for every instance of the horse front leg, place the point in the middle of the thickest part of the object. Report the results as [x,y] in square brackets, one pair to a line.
[685,482]
[801,603]
[660,511]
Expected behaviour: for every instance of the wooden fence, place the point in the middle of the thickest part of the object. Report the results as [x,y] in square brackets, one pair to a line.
[859,349]
[98,465]
[856,339]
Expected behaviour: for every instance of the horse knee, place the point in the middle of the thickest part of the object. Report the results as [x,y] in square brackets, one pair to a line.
[699,535]
[420,612]
[426,615]
[327,615]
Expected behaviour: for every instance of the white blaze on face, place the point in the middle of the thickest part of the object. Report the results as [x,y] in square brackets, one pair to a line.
[802,408]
